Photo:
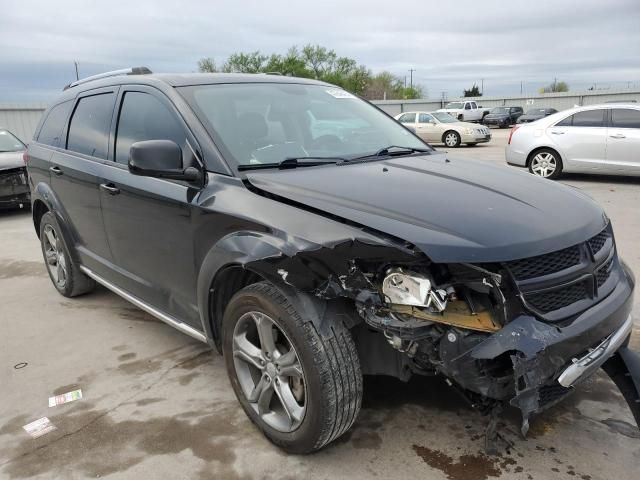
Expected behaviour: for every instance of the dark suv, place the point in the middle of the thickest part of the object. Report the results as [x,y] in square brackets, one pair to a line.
[503,116]
[312,239]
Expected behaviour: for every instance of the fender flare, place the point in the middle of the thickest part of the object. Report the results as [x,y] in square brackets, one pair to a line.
[43,192]
[238,249]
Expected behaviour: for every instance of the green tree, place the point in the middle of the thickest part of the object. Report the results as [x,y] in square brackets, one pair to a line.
[555,86]
[207,65]
[316,61]
[474,91]
[253,62]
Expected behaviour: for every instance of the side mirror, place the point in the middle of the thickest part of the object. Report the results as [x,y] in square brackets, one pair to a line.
[160,159]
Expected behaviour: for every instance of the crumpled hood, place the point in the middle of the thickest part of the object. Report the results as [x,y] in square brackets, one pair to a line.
[11,160]
[453,210]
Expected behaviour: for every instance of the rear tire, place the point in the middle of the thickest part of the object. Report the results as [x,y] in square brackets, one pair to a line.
[65,275]
[328,380]
[545,163]
[451,139]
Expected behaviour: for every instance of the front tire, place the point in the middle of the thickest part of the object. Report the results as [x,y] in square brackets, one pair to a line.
[302,388]
[451,139]
[63,271]
[545,163]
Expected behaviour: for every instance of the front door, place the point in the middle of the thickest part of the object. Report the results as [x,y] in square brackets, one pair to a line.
[75,174]
[427,129]
[149,220]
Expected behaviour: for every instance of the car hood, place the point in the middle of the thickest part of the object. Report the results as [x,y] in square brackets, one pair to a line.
[451,209]
[11,160]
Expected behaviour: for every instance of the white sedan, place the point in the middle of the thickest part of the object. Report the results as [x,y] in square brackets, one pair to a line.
[603,139]
[440,127]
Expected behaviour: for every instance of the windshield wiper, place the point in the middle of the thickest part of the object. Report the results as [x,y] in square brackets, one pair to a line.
[293,162]
[394,150]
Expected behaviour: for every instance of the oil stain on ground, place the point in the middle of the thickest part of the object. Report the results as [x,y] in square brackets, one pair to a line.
[478,467]
[21,268]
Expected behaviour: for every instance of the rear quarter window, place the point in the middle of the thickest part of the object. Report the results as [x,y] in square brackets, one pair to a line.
[54,124]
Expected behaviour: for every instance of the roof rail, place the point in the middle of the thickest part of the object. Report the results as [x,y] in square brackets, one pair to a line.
[114,73]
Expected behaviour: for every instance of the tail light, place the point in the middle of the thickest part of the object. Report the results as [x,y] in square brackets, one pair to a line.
[25,157]
[513,130]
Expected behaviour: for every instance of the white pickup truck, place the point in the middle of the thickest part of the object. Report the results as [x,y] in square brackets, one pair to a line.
[467,111]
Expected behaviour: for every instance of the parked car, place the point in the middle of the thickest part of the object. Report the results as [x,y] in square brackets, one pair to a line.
[602,139]
[467,111]
[503,116]
[534,114]
[439,127]
[14,189]
[310,261]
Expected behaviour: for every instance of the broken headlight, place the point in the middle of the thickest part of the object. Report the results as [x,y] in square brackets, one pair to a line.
[410,288]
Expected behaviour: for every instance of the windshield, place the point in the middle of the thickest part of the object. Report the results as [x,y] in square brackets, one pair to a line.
[444,117]
[499,110]
[456,105]
[9,143]
[258,123]
[536,111]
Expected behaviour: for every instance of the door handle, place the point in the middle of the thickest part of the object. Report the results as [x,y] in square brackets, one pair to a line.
[557,132]
[110,188]
[617,135]
[56,170]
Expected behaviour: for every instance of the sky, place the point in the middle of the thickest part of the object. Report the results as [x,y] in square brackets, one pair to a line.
[504,45]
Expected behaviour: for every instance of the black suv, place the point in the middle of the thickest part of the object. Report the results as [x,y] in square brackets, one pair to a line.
[312,239]
[503,116]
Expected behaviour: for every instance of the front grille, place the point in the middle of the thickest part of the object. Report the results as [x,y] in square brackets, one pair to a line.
[549,282]
[603,273]
[556,299]
[596,243]
[545,264]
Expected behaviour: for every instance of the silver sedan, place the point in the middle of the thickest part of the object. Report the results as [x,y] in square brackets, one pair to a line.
[602,139]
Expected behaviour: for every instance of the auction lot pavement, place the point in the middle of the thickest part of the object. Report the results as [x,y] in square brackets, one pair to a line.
[157,404]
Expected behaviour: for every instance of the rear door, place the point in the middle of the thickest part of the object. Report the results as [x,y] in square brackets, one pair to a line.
[581,139]
[76,169]
[148,220]
[623,140]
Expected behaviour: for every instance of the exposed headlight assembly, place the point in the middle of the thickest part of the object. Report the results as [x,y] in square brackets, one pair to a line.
[409,288]
[468,131]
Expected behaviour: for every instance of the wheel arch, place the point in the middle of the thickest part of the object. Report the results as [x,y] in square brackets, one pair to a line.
[296,268]
[533,153]
[444,134]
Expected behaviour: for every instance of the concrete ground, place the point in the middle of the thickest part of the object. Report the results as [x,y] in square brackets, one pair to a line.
[157,404]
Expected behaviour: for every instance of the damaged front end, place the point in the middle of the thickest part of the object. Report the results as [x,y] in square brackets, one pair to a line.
[520,333]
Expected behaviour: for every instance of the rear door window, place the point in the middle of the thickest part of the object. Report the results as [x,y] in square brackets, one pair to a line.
[588,118]
[54,124]
[425,118]
[625,118]
[144,117]
[90,124]
[407,118]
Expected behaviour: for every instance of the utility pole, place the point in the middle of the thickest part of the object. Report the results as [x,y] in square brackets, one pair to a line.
[405,81]
[520,87]
[481,86]
[411,70]
[76,65]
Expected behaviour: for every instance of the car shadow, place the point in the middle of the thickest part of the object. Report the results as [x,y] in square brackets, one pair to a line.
[594,178]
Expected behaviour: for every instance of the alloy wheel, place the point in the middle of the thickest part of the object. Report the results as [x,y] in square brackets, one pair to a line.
[269,371]
[544,164]
[55,257]
[451,139]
